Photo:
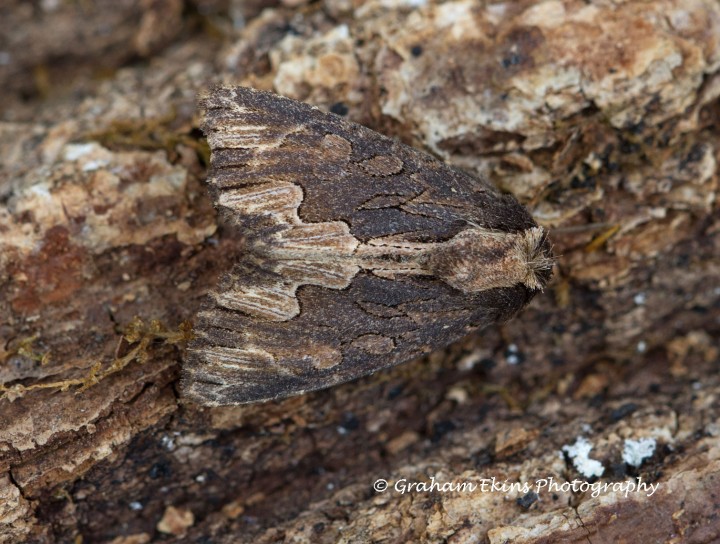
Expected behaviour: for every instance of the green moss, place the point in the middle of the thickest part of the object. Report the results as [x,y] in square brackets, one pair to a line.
[137,333]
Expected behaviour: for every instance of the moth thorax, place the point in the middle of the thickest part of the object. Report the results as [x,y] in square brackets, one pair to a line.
[478,259]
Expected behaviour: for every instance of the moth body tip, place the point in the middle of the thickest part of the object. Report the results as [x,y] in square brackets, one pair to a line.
[539,258]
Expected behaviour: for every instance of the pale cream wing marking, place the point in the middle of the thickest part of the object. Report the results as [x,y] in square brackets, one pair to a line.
[272,302]
[331,275]
[275,198]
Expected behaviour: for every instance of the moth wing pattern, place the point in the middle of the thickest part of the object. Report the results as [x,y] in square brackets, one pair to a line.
[342,229]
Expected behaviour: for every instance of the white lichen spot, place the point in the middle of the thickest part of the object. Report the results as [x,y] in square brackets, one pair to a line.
[636,451]
[342,431]
[42,190]
[640,299]
[91,166]
[340,32]
[513,355]
[74,151]
[641,346]
[579,452]
[167,442]
[395,4]
[513,359]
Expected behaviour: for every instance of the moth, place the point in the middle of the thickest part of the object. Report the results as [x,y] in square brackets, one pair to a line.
[358,252]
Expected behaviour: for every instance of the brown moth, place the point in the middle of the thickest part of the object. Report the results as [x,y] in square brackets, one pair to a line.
[359,252]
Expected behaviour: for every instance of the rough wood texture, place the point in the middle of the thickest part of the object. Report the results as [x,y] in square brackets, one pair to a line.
[601,117]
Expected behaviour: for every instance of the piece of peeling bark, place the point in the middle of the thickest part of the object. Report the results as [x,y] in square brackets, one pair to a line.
[622,346]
